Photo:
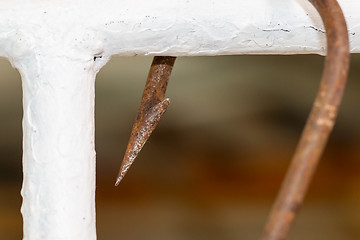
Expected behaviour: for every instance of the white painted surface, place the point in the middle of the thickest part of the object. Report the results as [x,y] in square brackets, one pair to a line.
[59,157]
[53,44]
[174,27]
[58,127]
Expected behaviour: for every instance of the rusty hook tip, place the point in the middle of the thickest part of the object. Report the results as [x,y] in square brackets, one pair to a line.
[118,180]
[152,107]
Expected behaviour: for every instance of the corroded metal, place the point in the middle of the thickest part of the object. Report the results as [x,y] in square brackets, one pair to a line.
[319,124]
[314,137]
[152,108]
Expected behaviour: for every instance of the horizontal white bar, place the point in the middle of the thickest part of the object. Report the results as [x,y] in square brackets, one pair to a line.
[171,27]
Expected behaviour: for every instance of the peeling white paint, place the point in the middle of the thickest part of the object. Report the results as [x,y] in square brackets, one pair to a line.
[53,44]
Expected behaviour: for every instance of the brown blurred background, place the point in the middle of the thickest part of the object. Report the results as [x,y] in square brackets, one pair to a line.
[214,165]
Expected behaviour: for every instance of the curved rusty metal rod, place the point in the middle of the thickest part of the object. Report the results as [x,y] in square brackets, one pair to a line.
[319,123]
[152,108]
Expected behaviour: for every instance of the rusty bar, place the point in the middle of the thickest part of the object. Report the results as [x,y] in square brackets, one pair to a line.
[318,126]
[152,108]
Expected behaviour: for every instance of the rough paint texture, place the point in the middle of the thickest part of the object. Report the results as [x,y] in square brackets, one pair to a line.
[175,27]
[58,126]
[59,158]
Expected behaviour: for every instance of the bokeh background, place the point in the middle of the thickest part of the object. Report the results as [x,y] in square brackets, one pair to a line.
[214,165]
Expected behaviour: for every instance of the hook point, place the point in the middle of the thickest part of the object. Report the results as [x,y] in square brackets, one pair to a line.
[118,180]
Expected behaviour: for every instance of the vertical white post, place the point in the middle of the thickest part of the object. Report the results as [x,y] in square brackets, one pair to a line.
[59,157]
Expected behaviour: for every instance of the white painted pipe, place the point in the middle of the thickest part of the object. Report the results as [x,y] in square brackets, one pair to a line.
[59,158]
[59,46]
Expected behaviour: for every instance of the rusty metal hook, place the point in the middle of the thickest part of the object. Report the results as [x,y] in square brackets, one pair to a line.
[314,136]
[152,108]
[319,124]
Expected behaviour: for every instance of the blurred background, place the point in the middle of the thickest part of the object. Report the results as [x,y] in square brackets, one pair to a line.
[213,167]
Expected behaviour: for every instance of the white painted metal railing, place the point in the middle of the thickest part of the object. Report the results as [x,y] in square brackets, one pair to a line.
[59,46]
